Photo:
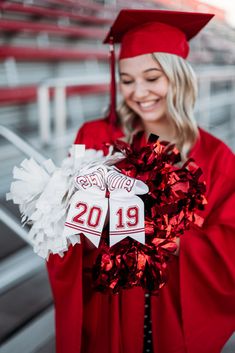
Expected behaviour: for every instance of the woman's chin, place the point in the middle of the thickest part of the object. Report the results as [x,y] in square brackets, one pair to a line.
[151,117]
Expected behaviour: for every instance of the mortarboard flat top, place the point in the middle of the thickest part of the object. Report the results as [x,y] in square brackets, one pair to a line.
[190,23]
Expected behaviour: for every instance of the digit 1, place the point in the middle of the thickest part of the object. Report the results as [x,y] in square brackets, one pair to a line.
[120,218]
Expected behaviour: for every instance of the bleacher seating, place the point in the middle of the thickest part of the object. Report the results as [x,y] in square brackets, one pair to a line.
[28,94]
[47,12]
[39,27]
[84,5]
[56,30]
[23,53]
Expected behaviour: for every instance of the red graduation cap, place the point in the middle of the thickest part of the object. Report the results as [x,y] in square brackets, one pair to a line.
[149,31]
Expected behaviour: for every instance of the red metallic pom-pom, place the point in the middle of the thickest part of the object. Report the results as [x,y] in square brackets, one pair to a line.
[175,195]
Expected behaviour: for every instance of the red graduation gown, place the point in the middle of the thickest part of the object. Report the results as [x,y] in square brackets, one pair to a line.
[194,312]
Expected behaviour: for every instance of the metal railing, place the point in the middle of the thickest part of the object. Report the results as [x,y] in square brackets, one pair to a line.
[21,144]
[13,270]
[7,218]
[59,86]
[21,266]
[206,102]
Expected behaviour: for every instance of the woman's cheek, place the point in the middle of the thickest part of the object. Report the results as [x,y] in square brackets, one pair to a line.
[125,91]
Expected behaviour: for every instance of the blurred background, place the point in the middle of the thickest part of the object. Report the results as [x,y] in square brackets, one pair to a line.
[54,75]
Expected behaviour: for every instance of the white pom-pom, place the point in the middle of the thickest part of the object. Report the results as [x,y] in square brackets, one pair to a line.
[43,193]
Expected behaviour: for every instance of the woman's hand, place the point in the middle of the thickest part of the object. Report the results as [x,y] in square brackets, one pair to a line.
[177,241]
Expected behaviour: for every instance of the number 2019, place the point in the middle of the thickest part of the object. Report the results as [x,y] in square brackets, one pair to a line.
[91,216]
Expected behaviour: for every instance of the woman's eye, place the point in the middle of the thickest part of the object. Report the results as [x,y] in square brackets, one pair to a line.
[152,79]
[127,82]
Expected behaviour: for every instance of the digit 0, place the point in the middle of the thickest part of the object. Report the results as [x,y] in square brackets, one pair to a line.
[94,216]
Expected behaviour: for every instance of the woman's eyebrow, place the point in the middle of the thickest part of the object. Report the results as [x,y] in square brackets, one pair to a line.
[151,69]
[123,73]
[147,70]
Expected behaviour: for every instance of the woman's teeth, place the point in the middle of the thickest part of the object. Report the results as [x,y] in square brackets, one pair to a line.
[149,104]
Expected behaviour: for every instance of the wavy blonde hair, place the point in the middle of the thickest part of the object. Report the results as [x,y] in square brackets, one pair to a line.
[181,97]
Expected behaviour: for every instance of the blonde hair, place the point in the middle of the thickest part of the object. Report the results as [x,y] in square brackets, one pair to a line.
[181,97]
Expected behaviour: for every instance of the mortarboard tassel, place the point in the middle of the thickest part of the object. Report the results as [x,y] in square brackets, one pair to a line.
[112,112]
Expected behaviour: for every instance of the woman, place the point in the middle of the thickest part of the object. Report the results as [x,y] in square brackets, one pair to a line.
[195,310]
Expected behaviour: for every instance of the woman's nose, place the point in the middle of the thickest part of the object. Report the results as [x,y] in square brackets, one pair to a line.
[140,91]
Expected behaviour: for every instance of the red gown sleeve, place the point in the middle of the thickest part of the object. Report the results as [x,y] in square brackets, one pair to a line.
[207,266]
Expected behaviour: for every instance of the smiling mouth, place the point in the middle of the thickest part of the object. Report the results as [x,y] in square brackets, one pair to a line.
[148,105]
